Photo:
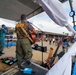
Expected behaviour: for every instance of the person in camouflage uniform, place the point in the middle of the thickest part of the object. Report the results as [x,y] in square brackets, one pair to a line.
[23,47]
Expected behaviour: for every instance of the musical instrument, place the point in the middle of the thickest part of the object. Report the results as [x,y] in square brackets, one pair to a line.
[49,63]
[31,37]
[50,54]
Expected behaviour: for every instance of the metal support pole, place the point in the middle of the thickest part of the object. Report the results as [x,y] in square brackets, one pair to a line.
[72,13]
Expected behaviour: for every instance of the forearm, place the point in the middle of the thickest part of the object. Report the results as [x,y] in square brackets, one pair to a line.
[34,31]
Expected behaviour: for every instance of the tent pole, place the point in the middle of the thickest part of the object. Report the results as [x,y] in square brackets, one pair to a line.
[72,12]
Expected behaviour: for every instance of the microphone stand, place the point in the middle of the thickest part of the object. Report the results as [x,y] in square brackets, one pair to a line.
[42,64]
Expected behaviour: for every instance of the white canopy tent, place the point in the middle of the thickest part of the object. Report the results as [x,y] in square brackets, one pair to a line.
[52,8]
[56,12]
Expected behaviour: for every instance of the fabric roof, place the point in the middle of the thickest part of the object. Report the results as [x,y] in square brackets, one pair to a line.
[12,9]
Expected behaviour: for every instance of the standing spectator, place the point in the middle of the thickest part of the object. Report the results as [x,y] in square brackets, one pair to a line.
[65,44]
[53,40]
[50,40]
[3,30]
[56,41]
[46,39]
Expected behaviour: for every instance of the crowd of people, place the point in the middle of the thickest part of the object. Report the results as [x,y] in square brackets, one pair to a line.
[65,40]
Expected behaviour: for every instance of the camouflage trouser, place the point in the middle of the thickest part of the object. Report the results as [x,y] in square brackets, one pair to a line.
[23,50]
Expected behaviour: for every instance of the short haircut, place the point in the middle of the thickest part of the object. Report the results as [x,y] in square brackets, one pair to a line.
[3,25]
[23,16]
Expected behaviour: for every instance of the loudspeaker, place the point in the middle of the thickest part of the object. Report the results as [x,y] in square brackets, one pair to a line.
[36,46]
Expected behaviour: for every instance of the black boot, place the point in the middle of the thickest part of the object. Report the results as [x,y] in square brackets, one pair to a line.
[2,53]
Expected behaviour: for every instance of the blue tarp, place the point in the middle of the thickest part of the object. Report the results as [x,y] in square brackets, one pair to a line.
[74,69]
[10,44]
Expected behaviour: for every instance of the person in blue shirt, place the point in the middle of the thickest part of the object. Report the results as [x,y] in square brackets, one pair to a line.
[3,30]
[65,44]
